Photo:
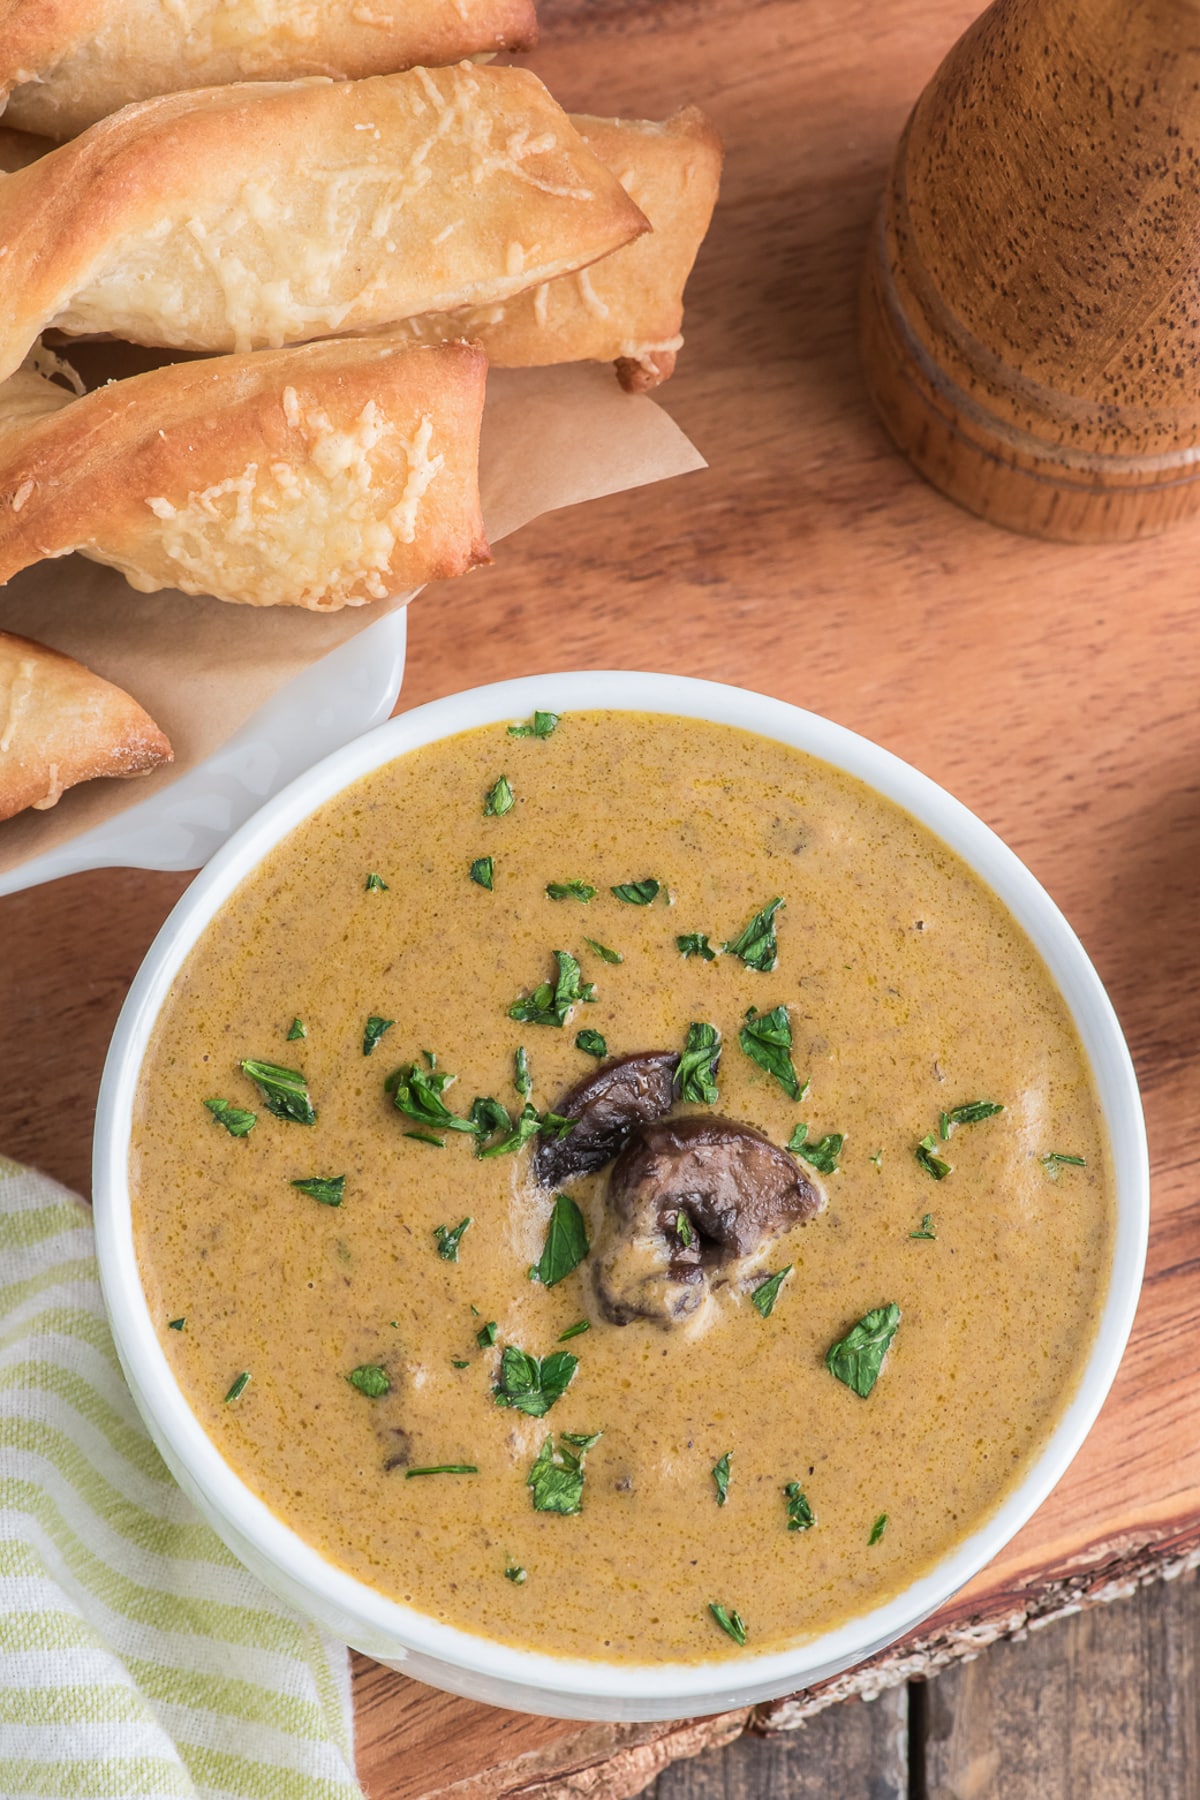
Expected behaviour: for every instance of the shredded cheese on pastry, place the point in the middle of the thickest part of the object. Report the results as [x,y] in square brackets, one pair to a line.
[316,531]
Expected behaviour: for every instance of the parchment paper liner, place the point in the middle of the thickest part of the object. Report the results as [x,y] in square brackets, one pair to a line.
[551,438]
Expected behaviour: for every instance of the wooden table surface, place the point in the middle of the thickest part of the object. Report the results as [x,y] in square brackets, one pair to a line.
[1107,1703]
[1052,689]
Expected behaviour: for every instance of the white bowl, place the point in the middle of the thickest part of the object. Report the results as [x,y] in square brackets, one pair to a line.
[395,1634]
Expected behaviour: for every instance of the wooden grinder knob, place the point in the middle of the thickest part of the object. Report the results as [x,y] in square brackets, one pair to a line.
[1031,301]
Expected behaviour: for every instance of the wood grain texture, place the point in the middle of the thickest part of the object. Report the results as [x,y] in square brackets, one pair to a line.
[859,1751]
[1107,1704]
[1051,688]
[1029,301]
[414,1743]
[995,1615]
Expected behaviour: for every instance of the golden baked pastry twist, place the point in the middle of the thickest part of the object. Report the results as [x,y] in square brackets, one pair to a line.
[265,214]
[66,63]
[60,724]
[324,476]
[628,308]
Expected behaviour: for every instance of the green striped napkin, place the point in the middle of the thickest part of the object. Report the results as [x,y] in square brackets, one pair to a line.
[137,1656]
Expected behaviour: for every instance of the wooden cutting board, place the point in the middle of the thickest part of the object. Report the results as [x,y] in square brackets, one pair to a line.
[1052,689]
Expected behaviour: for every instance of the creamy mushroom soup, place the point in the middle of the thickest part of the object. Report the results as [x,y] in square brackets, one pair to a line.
[620,1186]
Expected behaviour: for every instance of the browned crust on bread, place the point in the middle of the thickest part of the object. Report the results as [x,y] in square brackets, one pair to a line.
[67,63]
[639,376]
[679,177]
[627,308]
[203,221]
[60,724]
[327,475]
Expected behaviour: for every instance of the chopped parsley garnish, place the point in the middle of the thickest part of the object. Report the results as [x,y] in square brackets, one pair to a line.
[297,1029]
[926,1230]
[540,726]
[823,1155]
[328,1189]
[683,1229]
[591,1043]
[376,884]
[767,1292]
[549,1004]
[556,1478]
[176,1324]
[877,1530]
[877,1159]
[370,1380]
[522,1079]
[483,872]
[238,1387]
[532,1385]
[574,1331]
[284,1091]
[373,1030]
[442,1469]
[556,1125]
[731,1623]
[857,1358]
[800,1515]
[766,1039]
[934,1165]
[756,943]
[1052,1162]
[637,893]
[970,1113]
[570,890]
[515,1574]
[449,1238]
[488,1115]
[499,799]
[566,1242]
[236,1120]
[486,1334]
[427,1137]
[695,943]
[603,951]
[720,1475]
[417,1093]
[457,1362]
[526,1127]
[696,1076]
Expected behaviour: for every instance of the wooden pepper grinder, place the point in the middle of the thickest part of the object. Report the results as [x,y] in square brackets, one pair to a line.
[1031,300]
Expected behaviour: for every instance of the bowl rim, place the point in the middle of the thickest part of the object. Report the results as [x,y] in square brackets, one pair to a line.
[675,1688]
